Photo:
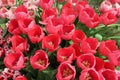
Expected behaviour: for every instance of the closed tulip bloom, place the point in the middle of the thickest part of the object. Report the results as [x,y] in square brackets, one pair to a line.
[109,17]
[105,6]
[89,17]
[81,5]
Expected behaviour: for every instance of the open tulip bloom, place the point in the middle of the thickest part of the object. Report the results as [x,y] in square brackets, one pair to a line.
[59,39]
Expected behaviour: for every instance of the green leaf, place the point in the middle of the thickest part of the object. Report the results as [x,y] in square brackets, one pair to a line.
[3,21]
[114,37]
[19,2]
[47,75]
[118,67]
[5,30]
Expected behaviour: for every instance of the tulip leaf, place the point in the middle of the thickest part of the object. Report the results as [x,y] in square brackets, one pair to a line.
[18,2]
[2,66]
[2,20]
[47,75]
[118,67]
[53,60]
[114,37]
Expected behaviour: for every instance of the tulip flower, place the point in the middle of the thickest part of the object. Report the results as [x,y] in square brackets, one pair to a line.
[39,60]
[65,54]
[19,43]
[36,34]
[66,72]
[15,61]
[51,42]
[86,61]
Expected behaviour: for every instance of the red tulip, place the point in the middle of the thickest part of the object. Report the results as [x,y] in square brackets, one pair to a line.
[21,12]
[49,13]
[19,43]
[66,72]
[114,58]
[65,54]
[54,25]
[99,64]
[13,27]
[20,78]
[108,74]
[46,4]
[39,60]
[94,22]
[89,17]
[81,5]
[35,34]
[68,14]
[51,42]
[86,61]
[106,47]
[89,45]
[86,15]
[109,17]
[89,74]
[15,61]
[67,31]
[109,65]
[77,49]
[78,36]
[25,24]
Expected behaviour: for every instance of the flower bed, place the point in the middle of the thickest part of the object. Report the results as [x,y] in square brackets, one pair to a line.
[59,40]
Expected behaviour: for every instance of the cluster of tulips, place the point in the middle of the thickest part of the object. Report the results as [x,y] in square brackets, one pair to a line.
[46,40]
